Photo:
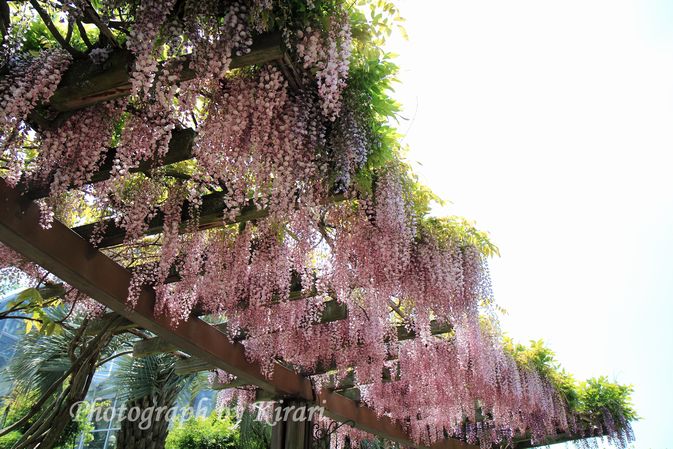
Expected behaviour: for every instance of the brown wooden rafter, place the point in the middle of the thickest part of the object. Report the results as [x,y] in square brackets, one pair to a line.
[85,83]
[179,149]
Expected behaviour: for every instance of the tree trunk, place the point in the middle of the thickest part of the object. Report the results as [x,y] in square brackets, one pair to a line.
[151,429]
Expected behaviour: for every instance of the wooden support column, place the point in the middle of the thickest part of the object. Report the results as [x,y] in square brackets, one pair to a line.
[291,433]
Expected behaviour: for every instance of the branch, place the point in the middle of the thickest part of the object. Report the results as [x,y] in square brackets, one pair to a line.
[53,30]
[23,306]
[83,35]
[112,357]
[68,34]
[65,318]
[396,309]
[20,318]
[322,228]
[93,16]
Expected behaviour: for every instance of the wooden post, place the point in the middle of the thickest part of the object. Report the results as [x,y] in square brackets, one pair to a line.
[291,431]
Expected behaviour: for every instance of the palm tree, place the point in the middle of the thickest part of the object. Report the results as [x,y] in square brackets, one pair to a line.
[150,383]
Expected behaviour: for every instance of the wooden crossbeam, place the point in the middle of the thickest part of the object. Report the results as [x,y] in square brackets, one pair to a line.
[211,215]
[333,311]
[348,381]
[194,365]
[76,262]
[179,149]
[353,394]
[85,84]
[436,328]
[227,385]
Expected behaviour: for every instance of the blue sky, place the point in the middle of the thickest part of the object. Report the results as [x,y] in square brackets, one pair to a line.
[550,123]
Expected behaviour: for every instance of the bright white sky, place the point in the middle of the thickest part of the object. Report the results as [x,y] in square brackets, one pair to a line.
[550,123]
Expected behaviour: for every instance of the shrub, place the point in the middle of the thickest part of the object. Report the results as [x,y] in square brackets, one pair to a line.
[8,440]
[213,432]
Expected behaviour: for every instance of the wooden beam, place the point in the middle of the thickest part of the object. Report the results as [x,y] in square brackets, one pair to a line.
[86,84]
[227,385]
[348,381]
[353,394]
[212,210]
[290,433]
[436,328]
[192,365]
[158,345]
[333,311]
[76,262]
[179,149]
[211,215]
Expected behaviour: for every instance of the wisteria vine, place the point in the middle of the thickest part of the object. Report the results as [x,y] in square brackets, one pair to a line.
[294,159]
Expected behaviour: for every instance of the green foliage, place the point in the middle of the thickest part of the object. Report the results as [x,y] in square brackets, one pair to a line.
[371,76]
[449,230]
[37,310]
[599,394]
[138,377]
[14,407]
[254,434]
[8,440]
[41,360]
[589,398]
[81,426]
[17,404]
[38,37]
[213,432]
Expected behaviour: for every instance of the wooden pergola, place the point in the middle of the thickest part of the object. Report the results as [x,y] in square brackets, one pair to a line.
[67,253]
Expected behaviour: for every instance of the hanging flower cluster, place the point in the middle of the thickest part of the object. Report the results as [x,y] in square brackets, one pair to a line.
[215,40]
[328,54]
[71,154]
[350,147]
[262,142]
[15,270]
[482,398]
[29,82]
[149,17]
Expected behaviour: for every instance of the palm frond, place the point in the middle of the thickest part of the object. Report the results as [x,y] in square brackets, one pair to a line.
[153,375]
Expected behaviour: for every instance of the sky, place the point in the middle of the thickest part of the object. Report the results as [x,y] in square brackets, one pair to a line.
[550,123]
